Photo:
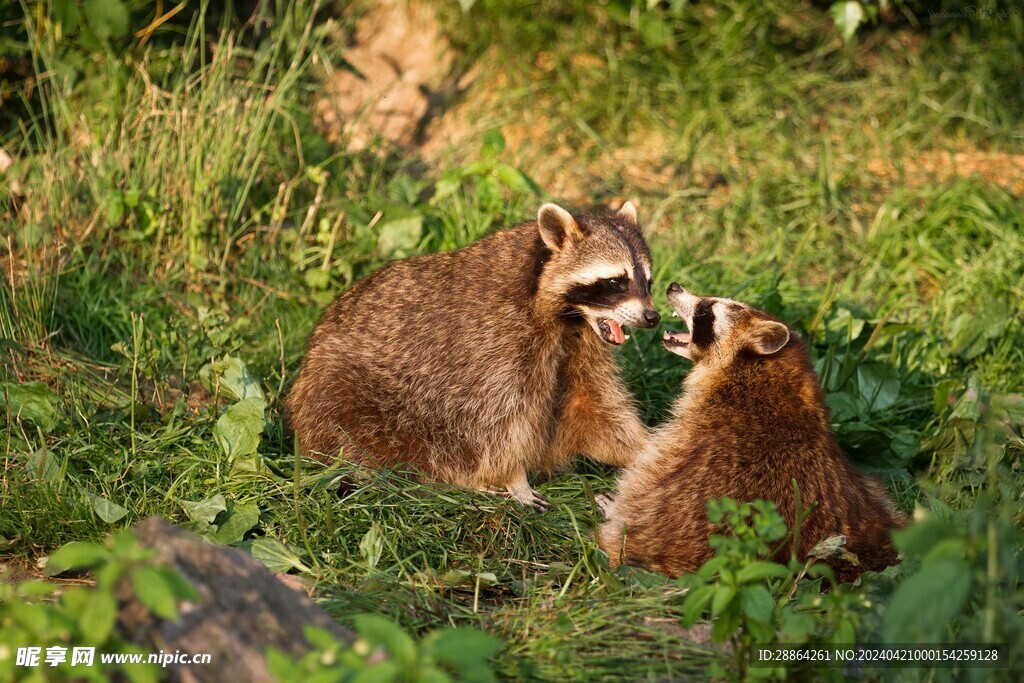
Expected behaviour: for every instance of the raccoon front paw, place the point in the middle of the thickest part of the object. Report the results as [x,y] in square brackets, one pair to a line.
[604,504]
[531,499]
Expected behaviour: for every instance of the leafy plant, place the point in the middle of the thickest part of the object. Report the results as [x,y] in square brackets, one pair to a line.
[754,599]
[384,652]
[45,615]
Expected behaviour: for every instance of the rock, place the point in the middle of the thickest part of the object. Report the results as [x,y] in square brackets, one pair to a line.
[244,610]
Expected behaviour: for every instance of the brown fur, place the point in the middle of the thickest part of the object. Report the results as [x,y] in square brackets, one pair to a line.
[746,426]
[469,365]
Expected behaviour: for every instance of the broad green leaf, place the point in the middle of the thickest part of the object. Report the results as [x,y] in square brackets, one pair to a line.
[655,31]
[445,187]
[33,401]
[760,570]
[756,602]
[155,592]
[385,633]
[721,599]
[205,510]
[67,14]
[276,556]
[494,143]
[105,509]
[465,650]
[696,602]
[847,17]
[316,278]
[238,430]
[75,555]
[879,385]
[399,237]
[232,378]
[99,615]
[242,518]
[923,606]
[108,18]
[515,179]
[372,545]
[43,465]
[381,672]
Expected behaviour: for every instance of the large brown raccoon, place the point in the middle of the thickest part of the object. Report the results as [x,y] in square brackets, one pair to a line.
[483,364]
[751,419]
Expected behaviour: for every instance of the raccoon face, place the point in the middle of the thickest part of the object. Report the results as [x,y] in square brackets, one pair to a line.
[721,328]
[599,269]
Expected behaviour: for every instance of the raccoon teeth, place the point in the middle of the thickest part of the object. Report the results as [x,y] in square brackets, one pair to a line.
[625,338]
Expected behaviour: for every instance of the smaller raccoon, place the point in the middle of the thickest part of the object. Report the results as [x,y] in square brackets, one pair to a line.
[751,419]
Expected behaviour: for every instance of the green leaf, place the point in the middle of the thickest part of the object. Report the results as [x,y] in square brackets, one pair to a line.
[99,616]
[105,509]
[879,386]
[696,602]
[847,17]
[654,31]
[238,430]
[844,326]
[317,278]
[760,570]
[67,14]
[75,555]
[385,633]
[242,517]
[756,602]
[232,378]
[276,556]
[465,650]
[382,672]
[399,237]
[108,18]
[372,545]
[494,143]
[43,465]
[155,592]
[205,510]
[33,401]
[515,179]
[721,599]
[448,185]
[924,605]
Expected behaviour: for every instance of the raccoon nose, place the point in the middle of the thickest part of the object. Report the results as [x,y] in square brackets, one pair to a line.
[651,317]
[674,287]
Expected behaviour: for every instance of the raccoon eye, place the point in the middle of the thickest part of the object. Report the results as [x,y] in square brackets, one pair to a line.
[650,285]
[616,284]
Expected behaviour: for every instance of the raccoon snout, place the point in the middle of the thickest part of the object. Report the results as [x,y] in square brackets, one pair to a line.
[651,317]
[675,287]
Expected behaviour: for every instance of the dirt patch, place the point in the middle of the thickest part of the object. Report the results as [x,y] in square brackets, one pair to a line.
[1001,168]
[401,74]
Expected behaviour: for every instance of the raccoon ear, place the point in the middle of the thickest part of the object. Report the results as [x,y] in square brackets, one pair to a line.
[628,211]
[766,337]
[557,226]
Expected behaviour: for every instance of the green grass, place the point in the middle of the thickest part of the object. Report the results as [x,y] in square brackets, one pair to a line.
[148,242]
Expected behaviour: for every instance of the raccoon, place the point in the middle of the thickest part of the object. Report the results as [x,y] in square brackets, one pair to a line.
[481,365]
[751,419]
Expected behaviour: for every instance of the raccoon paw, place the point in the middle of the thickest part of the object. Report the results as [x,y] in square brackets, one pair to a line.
[533,500]
[604,504]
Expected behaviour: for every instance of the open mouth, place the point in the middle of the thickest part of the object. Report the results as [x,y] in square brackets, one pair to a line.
[611,331]
[678,340]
